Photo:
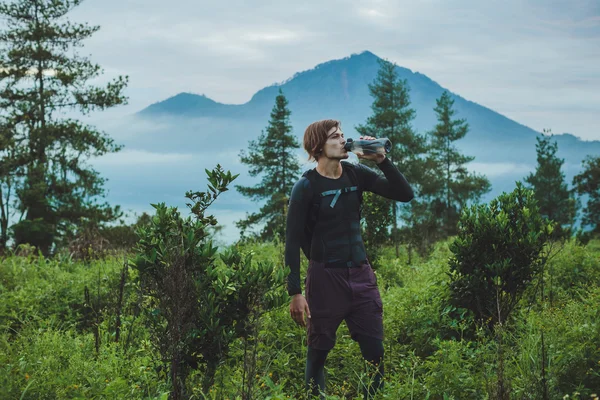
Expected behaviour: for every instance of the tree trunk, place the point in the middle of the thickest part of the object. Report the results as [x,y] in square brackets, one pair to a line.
[395,228]
[176,393]
[209,377]
[448,178]
[35,202]
[3,221]
[120,301]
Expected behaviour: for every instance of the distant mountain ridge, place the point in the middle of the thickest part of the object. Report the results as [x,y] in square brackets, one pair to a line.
[339,89]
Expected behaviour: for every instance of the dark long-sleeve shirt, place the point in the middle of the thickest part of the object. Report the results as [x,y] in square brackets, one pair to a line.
[336,236]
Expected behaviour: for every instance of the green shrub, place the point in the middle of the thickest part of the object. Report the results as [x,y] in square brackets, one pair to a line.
[196,307]
[496,254]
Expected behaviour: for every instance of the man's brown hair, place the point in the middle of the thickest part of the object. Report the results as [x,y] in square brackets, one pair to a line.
[315,137]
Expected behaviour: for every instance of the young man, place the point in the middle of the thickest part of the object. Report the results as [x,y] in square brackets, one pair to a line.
[340,284]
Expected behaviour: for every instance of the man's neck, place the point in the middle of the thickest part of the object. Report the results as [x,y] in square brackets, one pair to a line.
[329,167]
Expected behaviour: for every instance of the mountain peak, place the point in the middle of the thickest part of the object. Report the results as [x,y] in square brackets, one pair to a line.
[181,103]
[363,57]
[365,54]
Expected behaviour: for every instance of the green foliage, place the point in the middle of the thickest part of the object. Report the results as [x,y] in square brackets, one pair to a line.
[272,156]
[122,236]
[44,161]
[51,292]
[572,334]
[497,254]
[449,186]
[49,362]
[414,318]
[431,349]
[376,218]
[417,309]
[571,273]
[588,183]
[555,200]
[196,307]
[392,117]
[457,370]
[422,227]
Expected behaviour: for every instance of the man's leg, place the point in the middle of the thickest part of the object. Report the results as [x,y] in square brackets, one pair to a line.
[372,351]
[328,299]
[315,370]
[365,323]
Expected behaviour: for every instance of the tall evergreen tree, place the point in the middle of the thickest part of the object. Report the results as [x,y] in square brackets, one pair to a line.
[41,77]
[7,176]
[556,201]
[391,118]
[273,157]
[588,183]
[450,186]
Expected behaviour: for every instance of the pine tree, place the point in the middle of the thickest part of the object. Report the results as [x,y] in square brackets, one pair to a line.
[556,201]
[274,158]
[392,118]
[588,183]
[450,187]
[41,77]
[7,176]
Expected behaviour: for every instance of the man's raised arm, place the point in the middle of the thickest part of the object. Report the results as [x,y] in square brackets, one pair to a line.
[393,185]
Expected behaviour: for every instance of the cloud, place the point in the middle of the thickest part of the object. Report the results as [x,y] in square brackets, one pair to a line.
[499,169]
[371,13]
[507,56]
[33,71]
[128,158]
[227,219]
[277,36]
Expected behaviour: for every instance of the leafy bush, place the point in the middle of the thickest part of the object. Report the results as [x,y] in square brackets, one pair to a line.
[195,307]
[496,254]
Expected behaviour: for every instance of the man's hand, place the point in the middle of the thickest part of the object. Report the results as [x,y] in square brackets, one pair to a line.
[377,157]
[298,307]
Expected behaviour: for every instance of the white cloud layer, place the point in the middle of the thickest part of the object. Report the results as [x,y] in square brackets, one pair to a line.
[129,158]
[536,61]
[498,169]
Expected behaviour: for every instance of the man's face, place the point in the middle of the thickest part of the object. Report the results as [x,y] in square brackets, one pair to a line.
[334,147]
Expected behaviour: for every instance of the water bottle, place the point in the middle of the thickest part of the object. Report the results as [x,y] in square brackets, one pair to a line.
[382,146]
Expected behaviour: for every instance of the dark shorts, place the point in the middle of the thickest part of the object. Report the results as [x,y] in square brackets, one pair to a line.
[337,294]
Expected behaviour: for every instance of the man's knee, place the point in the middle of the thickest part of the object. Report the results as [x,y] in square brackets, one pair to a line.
[316,356]
[371,348]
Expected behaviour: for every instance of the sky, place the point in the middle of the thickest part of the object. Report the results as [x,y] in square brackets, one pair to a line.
[534,61]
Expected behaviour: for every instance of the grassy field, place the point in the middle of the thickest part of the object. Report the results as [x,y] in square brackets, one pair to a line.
[59,329]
